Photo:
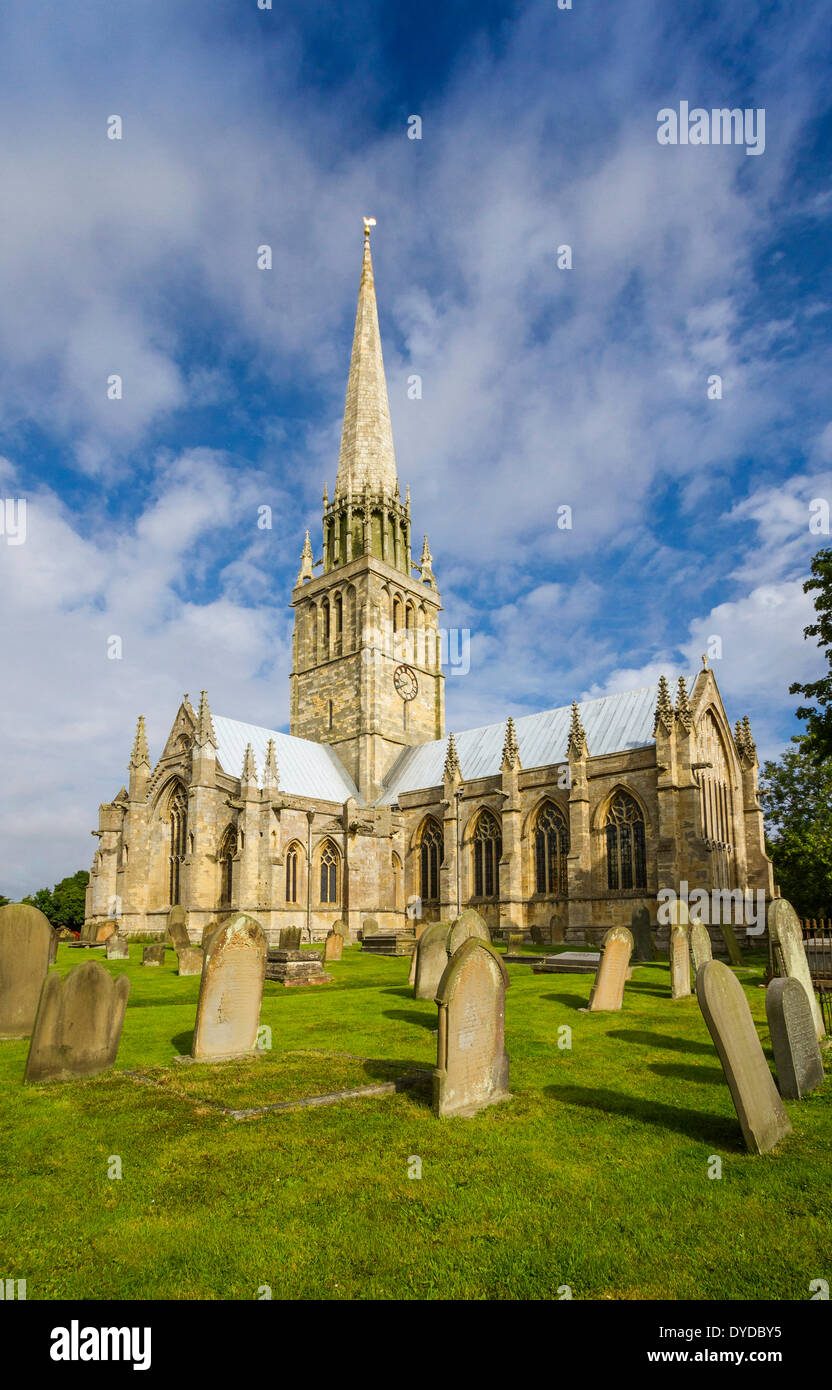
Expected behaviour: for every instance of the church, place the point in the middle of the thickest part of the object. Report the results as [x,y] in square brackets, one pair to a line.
[560,822]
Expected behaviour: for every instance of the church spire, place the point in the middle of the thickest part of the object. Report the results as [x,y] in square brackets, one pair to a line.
[367,436]
[140,755]
[204,723]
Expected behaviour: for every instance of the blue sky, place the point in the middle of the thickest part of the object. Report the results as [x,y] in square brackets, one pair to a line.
[541,386]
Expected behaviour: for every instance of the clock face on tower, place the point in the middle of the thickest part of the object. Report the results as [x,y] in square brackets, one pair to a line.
[404,679]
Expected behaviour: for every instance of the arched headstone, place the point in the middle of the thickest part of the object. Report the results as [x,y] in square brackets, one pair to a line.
[792,1028]
[700,946]
[177,928]
[785,932]
[679,950]
[231,990]
[333,946]
[640,928]
[760,1110]
[468,923]
[429,960]
[608,989]
[78,1024]
[472,1063]
[26,940]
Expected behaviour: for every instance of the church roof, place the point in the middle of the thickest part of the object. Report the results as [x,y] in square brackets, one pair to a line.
[304,768]
[613,724]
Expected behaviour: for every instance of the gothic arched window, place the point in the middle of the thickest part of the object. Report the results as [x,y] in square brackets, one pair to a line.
[292,876]
[228,848]
[488,851]
[714,782]
[626,858]
[431,854]
[329,873]
[551,846]
[178,817]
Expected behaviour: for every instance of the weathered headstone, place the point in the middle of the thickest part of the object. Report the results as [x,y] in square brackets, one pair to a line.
[117,948]
[468,923]
[189,960]
[177,930]
[105,931]
[796,1053]
[231,990]
[472,1063]
[608,990]
[154,955]
[369,926]
[700,946]
[53,947]
[679,950]
[78,1024]
[295,968]
[760,1110]
[341,928]
[640,929]
[430,959]
[786,934]
[289,939]
[333,946]
[729,936]
[536,935]
[26,941]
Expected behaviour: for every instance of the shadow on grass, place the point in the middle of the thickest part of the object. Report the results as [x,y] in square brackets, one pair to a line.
[708,1129]
[183,1042]
[678,1071]
[662,1040]
[402,991]
[572,1001]
[407,1016]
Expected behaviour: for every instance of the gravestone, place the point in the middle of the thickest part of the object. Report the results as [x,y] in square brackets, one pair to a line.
[679,950]
[700,946]
[640,930]
[729,936]
[557,927]
[295,968]
[472,1063]
[536,935]
[233,970]
[785,932]
[341,928]
[53,946]
[105,931]
[607,992]
[78,1024]
[369,927]
[796,1053]
[468,923]
[289,939]
[154,955]
[117,948]
[26,942]
[430,959]
[333,946]
[177,930]
[189,960]
[760,1110]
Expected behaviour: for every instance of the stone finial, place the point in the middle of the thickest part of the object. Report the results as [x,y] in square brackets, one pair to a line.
[249,772]
[407,497]
[452,769]
[326,497]
[270,773]
[511,751]
[576,743]
[747,735]
[665,713]
[426,565]
[307,562]
[140,755]
[704,662]
[186,700]
[744,741]
[684,712]
[204,724]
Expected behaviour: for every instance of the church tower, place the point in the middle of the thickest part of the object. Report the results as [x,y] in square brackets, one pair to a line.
[366,675]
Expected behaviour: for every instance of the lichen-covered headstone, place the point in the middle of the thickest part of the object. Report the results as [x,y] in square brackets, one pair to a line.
[369,927]
[333,946]
[189,960]
[289,939]
[608,989]
[468,923]
[472,1063]
[231,990]
[785,932]
[640,930]
[700,946]
[117,948]
[177,930]
[729,936]
[78,1024]
[430,959]
[341,928]
[154,955]
[796,1053]
[679,950]
[760,1110]
[26,943]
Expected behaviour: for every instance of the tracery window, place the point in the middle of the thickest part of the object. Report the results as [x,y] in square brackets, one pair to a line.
[551,846]
[714,782]
[488,851]
[329,873]
[431,854]
[626,857]
[228,849]
[178,818]
[292,855]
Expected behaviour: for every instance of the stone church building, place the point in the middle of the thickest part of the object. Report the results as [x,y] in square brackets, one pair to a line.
[564,820]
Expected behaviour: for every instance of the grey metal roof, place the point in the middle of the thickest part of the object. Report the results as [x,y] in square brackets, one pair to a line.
[304,768]
[613,724]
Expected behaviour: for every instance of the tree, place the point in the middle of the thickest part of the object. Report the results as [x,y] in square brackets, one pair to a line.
[63,905]
[796,793]
[4,900]
[819,717]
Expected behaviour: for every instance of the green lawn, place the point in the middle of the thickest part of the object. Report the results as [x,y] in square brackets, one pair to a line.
[595,1176]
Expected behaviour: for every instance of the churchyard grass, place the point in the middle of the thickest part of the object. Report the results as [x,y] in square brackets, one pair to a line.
[595,1176]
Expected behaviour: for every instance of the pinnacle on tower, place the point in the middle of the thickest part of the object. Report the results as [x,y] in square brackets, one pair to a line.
[270,774]
[511,752]
[249,772]
[204,723]
[576,743]
[140,755]
[749,746]
[665,713]
[307,566]
[367,458]
[426,565]
[451,770]
[684,712]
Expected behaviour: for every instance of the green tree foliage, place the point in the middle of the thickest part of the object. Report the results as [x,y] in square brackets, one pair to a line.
[796,793]
[818,716]
[63,905]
